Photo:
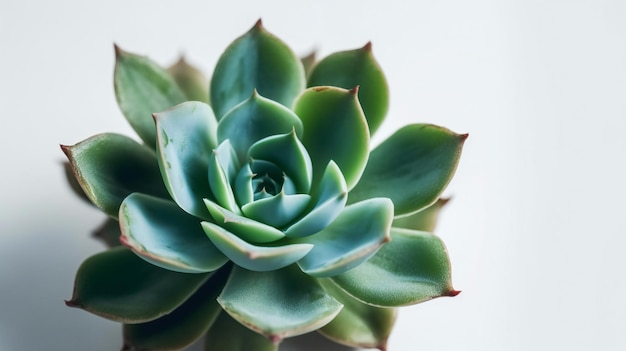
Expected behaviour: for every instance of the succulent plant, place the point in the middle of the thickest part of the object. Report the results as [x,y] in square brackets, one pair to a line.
[265,214]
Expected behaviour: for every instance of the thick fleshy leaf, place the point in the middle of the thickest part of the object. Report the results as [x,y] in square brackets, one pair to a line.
[348,69]
[109,167]
[425,219]
[308,62]
[359,231]
[73,182]
[412,268]
[330,199]
[278,304]
[245,228]
[254,258]
[164,235]
[108,232]
[223,167]
[185,325]
[191,80]
[335,129]
[243,185]
[288,153]
[257,60]
[142,88]
[278,210]
[254,119]
[412,167]
[228,334]
[186,134]
[118,285]
[358,324]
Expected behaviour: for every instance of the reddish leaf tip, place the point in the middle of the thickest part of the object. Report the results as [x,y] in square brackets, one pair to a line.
[275,339]
[354,90]
[72,303]
[367,47]
[259,24]
[65,149]
[464,136]
[453,293]
[118,50]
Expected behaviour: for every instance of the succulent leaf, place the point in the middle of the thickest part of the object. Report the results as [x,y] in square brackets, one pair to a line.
[351,68]
[191,80]
[257,60]
[142,88]
[228,334]
[335,129]
[424,220]
[358,324]
[73,182]
[163,234]
[355,236]
[329,200]
[246,228]
[288,153]
[278,210]
[412,167]
[252,257]
[118,285]
[109,167]
[308,62]
[278,304]
[412,268]
[223,166]
[184,325]
[254,119]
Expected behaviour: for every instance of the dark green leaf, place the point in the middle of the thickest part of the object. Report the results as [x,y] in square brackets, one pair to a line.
[412,167]
[227,334]
[412,268]
[118,285]
[348,69]
[109,167]
[257,60]
[142,88]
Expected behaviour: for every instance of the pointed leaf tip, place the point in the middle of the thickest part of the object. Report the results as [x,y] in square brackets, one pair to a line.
[453,293]
[355,90]
[118,50]
[463,136]
[367,46]
[258,24]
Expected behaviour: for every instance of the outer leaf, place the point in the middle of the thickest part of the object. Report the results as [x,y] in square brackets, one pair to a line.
[356,235]
[118,285]
[73,182]
[412,268]
[166,236]
[412,167]
[185,325]
[257,60]
[348,69]
[253,120]
[425,219]
[278,304]
[252,257]
[186,135]
[142,88]
[111,166]
[308,62]
[228,334]
[335,129]
[190,80]
[358,324]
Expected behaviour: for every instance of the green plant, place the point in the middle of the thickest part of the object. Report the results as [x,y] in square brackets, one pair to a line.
[263,215]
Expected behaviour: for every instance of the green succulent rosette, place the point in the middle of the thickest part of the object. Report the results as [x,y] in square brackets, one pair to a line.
[265,214]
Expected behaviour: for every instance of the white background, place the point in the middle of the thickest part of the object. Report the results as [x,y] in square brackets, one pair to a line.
[536,226]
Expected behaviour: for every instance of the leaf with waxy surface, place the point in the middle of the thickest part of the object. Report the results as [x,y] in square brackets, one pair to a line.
[223,165]
[412,167]
[347,69]
[412,268]
[186,134]
[166,236]
[142,88]
[245,228]
[118,285]
[254,119]
[190,80]
[257,60]
[278,210]
[331,117]
[253,257]
[359,231]
[358,324]
[185,325]
[278,304]
[110,166]
[228,334]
